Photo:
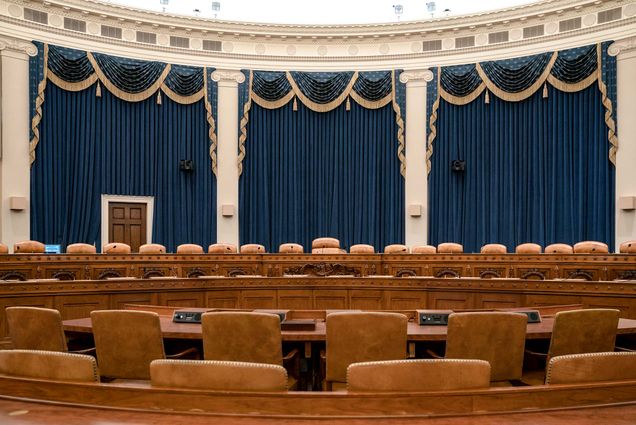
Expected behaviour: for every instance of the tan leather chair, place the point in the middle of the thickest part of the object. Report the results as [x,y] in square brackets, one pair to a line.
[424,249]
[528,248]
[222,248]
[325,243]
[252,248]
[116,248]
[189,248]
[361,249]
[4,249]
[558,248]
[583,331]
[242,336]
[127,341]
[590,247]
[49,365]
[35,328]
[354,337]
[28,247]
[218,375]
[498,338]
[628,247]
[328,251]
[396,249]
[81,248]
[418,375]
[591,367]
[290,248]
[152,248]
[450,248]
[494,248]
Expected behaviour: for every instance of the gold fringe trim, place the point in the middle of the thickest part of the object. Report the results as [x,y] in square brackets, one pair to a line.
[35,121]
[79,86]
[487,98]
[369,104]
[522,95]
[243,126]
[184,100]
[348,104]
[322,107]
[571,88]
[211,123]
[433,128]
[295,105]
[400,123]
[457,100]
[98,90]
[130,97]
[607,103]
[271,104]
[158,97]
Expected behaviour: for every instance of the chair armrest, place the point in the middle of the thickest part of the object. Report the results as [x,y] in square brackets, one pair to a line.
[191,353]
[291,355]
[536,354]
[87,351]
[623,349]
[433,354]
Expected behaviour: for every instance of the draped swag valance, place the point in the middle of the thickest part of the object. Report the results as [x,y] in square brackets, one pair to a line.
[517,79]
[131,80]
[322,92]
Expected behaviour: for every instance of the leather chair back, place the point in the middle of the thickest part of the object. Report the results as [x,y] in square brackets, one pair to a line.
[424,249]
[222,248]
[325,243]
[4,249]
[558,248]
[628,247]
[126,341]
[450,248]
[290,248]
[152,248]
[354,337]
[494,248]
[116,248]
[418,375]
[498,338]
[583,331]
[396,249]
[361,249]
[81,248]
[590,247]
[189,248]
[28,247]
[49,365]
[218,375]
[35,328]
[591,367]
[242,336]
[252,248]
[528,248]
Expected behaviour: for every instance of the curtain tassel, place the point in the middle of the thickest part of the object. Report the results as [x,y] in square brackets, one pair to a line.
[348,104]
[295,105]
[545,90]
[487,98]
[98,90]
[159,97]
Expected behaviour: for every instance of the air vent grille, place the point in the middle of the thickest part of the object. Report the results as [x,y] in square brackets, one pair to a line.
[36,16]
[535,31]
[182,42]
[431,45]
[111,32]
[146,37]
[462,42]
[498,37]
[74,24]
[212,45]
[570,24]
[609,15]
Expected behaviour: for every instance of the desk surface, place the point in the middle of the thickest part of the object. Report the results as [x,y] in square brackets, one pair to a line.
[416,332]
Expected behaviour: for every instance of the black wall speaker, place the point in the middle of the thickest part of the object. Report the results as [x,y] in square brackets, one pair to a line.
[458,165]
[186,165]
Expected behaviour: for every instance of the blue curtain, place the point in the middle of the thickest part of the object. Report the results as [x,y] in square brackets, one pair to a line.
[91,146]
[536,171]
[309,174]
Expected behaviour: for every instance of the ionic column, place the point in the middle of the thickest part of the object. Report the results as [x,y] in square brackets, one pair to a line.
[227,223]
[626,131]
[416,185]
[15,163]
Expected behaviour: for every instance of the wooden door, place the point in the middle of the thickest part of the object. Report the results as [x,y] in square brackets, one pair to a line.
[127,223]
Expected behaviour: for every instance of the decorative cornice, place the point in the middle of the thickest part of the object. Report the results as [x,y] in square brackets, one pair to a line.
[416,75]
[16,45]
[228,75]
[622,46]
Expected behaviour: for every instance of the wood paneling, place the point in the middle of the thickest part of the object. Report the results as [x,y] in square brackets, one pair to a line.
[265,298]
[295,299]
[223,299]
[325,299]
[366,300]
[78,306]
[450,300]
[117,301]
[406,300]
[497,300]
[182,299]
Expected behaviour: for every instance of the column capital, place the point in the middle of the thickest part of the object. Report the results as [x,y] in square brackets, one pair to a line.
[416,76]
[622,46]
[228,76]
[18,46]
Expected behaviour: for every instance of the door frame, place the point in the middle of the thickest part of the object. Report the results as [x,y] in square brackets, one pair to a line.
[148,200]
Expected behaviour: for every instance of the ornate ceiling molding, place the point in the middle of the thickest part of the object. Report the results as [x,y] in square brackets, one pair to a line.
[17,45]
[228,75]
[622,46]
[416,75]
